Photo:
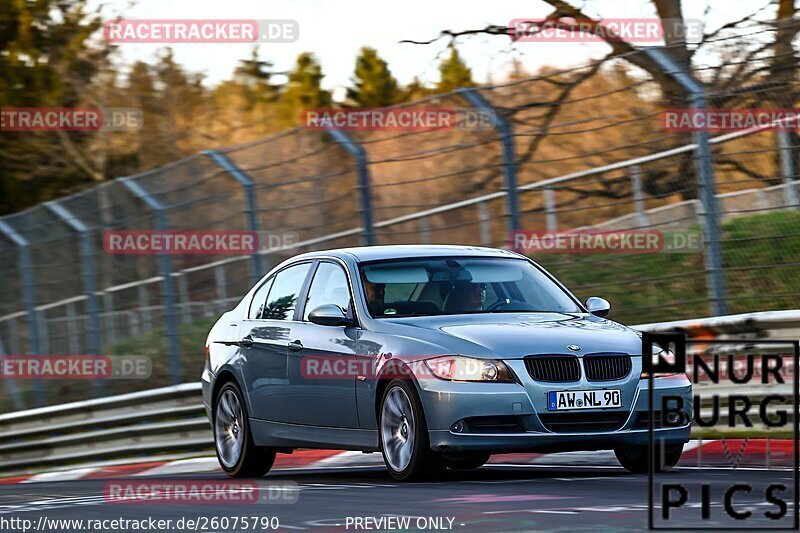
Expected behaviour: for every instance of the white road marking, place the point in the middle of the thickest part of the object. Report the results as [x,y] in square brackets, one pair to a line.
[185,466]
[64,475]
[349,457]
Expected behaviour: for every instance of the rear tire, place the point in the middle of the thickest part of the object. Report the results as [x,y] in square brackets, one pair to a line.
[466,461]
[635,458]
[403,434]
[237,453]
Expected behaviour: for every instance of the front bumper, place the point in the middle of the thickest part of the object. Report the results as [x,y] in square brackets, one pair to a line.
[451,406]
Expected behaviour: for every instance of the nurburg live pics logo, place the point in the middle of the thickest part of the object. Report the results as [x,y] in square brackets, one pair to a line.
[724,503]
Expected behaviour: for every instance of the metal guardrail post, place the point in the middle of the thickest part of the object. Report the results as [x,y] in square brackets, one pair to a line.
[250,204]
[705,173]
[28,298]
[364,181]
[509,155]
[165,261]
[788,169]
[88,271]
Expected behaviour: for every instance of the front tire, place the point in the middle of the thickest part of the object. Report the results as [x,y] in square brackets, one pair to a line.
[237,453]
[403,434]
[635,460]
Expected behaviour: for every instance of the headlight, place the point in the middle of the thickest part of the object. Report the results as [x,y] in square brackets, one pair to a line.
[657,350]
[458,368]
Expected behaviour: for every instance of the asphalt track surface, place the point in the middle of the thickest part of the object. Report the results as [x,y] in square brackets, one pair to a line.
[492,498]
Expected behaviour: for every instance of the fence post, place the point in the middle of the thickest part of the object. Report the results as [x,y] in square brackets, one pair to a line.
[424,231]
[165,262]
[222,286]
[13,336]
[787,170]
[250,204]
[28,298]
[704,168]
[11,385]
[186,305]
[108,306]
[134,323]
[88,272]
[364,180]
[72,331]
[509,155]
[144,303]
[483,216]
[551,222]
[44,333]
[642,219]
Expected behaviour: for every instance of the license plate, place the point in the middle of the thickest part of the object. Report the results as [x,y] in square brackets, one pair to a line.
[567,400]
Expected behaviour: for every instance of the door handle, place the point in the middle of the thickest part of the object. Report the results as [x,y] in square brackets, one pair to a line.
[246,342]
[295,346]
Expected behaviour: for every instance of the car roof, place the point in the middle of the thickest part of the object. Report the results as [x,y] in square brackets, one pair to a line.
[403,251]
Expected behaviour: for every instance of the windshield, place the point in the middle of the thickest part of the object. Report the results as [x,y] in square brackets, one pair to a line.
[455,286]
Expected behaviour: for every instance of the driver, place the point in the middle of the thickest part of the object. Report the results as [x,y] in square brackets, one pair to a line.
[375,293]
[473,295]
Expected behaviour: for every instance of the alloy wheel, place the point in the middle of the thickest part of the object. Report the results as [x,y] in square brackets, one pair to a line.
[397,428]
[228,429]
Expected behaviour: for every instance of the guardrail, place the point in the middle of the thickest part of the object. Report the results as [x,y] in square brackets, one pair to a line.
[785,323]
[172,420]
[152,423]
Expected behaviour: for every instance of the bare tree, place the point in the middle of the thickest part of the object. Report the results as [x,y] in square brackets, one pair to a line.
[762,68]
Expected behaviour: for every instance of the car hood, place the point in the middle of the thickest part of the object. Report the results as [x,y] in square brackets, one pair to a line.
[516,335]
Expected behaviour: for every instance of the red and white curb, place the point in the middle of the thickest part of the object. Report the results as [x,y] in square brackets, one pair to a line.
[724,453]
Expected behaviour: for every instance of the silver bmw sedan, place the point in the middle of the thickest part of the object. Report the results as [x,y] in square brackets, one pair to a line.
[435,356]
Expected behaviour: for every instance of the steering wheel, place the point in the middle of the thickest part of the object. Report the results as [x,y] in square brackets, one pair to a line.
[501,302]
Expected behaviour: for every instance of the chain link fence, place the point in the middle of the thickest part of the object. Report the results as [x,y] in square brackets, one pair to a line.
[583,148]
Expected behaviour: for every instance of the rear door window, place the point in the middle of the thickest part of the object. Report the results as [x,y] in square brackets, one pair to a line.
[282,298]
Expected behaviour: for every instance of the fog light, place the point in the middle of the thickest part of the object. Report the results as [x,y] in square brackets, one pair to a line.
[458,427]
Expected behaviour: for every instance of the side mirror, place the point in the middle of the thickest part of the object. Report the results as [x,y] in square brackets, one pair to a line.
[328,315]
[598,306]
